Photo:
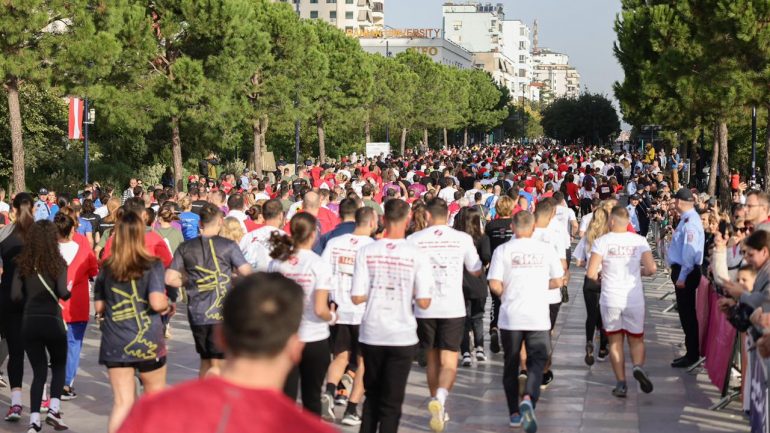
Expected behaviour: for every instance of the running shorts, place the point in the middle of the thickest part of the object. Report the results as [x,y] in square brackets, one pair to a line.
[345,339]
[203,335]
[443,334]
[140,366]
[629,320]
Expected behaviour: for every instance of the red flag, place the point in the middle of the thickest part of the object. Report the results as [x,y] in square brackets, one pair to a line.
[76,119]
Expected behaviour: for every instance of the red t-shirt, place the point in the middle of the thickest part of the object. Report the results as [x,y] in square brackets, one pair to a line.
[83,267]
[215,405]
[155,244]
[250,225]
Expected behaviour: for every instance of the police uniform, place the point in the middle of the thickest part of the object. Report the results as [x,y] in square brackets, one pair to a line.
[685,256]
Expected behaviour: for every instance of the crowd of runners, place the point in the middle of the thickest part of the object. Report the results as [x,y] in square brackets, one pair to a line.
[328,284]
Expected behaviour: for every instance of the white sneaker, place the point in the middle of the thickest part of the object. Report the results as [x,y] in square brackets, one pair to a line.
[480,356]
[327,407]
[438,417]
[467,361]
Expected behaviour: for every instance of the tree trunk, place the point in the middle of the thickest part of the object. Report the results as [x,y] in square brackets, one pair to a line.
[766,184]
[176,153]
[425,140]
[368,130]
[321,140]
[263,126]
[465,137]
[446,139]
[258,137]
[17,143]
[712,188]
[725,194]
[403,140]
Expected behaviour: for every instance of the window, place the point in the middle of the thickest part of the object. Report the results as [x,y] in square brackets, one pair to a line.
[313,14]
[522,59]
[522,72]
[333,15]
[522,31]
[348,2]
[331,1]
[348,15]
[313,1]
[522,45]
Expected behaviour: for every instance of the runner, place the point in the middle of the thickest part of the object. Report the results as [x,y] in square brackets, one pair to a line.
[624,258]
[522,273]
[255,245]
[341,253]
[209,262]
[128,294]
[440,327]
[389,275]
[499,232]
[261,315]
[293,257]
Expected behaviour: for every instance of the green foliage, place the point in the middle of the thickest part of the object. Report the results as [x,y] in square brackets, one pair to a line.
[589,117]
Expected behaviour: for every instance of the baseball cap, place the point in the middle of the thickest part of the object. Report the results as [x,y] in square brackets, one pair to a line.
[42,191]
[684,194]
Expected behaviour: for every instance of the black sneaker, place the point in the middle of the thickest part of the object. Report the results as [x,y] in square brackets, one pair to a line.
[547,379]
[589,359]
[603,354]
[494,340]
[34,428]
[54,419]
[619,391]
[68,394]
[644,381]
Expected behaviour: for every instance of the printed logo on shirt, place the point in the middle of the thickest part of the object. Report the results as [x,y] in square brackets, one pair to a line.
[390,246]
[214,280]
[523,260]
[690,236]
[132,307]
[620,250]
[293,261]
[438,232]
[354,241]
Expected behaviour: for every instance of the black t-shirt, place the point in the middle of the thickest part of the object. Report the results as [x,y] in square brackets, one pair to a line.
[95,221]
[605,191]
[38,301]
[131,330]
[499,232]
[197,205]
[208,264]
[9,249]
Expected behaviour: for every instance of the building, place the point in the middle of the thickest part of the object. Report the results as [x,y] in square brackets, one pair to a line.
[516,46]
[554,71]
[345,14]
[439,49]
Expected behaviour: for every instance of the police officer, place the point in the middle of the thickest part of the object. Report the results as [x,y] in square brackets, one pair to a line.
[685,255]
[41,210]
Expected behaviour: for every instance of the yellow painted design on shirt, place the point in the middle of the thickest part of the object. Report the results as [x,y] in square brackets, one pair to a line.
[214,280]
[132,307]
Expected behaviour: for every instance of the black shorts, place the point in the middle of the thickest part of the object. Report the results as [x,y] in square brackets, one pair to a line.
[204,342]
[345,339]
[140,366]
[443,334]
[554,309]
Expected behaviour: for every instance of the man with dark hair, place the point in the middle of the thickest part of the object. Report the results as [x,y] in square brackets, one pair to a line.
[389,275]
[196,201]
[236,205]
[367,191]
[440,327]
[348,208]
[208,261]
[255,245]
[261,316]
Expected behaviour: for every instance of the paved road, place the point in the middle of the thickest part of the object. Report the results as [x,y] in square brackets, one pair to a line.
[579,399]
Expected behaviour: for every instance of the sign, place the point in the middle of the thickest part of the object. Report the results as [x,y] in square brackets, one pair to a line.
[378,33]
[376,149]
[75,119]
[758,386]
[431,51]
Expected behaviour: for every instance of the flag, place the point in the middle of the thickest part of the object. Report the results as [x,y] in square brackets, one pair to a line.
[76,119]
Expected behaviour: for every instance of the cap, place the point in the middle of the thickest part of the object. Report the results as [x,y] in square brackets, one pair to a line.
[42,191]
[684,194]
[634,197]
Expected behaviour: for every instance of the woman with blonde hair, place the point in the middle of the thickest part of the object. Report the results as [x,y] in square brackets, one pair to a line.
[108,223]
[130,294]
[231,229]
[598,226]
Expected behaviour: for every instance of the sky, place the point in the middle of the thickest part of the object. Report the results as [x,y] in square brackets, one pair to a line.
[582,29]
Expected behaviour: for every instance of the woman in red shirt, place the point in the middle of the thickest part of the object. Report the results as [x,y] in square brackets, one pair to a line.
[81,266]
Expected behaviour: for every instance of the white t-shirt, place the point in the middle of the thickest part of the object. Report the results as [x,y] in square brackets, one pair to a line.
[448,194]
[525,267]
[621,262]
[240,216]
[340,253]
[68,250]
[312,273]
[585,221]
[449,251]
[4,207]
[256,247]
[565,216]
[102,211]
[391,272]
[552,239]
[293,209]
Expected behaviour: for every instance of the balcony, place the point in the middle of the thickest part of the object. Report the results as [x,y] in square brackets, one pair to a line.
[378,7]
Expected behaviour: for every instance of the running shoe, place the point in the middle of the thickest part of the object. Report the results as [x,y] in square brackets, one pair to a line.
[341,399]
[34,428]
[589,359]
[515,420]
[494,340]
[3,383]
[352,419]
[168,332]
[54,419]
[644,381]
[44,405]
[522,381]
[327,407]
[528,420]
[603,353]
[14,413]
[438,417]
[480,355]
[547,379]
[620,391]
[347,381]
[68,394]
[467,361]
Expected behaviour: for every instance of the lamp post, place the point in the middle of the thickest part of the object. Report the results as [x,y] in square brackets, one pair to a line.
[753,145]
[296,122]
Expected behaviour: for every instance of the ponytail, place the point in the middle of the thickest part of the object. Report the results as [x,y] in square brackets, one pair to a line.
[23,204]
[283,246]
[302,226]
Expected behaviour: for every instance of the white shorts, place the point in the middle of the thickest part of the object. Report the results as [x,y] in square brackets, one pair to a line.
[629,320]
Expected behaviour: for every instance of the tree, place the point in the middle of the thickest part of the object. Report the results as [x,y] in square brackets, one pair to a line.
[393,92]
[29,31]
[590,117]
[487,104]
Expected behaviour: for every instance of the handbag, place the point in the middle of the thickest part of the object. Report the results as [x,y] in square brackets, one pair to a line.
[564,295]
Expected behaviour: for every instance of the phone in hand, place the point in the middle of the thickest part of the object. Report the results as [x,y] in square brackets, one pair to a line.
[723,228]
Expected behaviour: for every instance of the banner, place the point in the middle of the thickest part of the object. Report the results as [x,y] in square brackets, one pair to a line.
[76,119]
[702,312]
[374,150]
[758,411]
[721,342]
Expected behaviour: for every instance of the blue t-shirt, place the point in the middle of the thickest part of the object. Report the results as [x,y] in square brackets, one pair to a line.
[84,226]
[190,222]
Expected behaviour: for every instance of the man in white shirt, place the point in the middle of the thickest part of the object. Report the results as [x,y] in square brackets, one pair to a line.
[235,204]
[440,327]
[522,272]
[340,253]
[261,194]
[448,192]
[255,245]
[389,275]
[623,258]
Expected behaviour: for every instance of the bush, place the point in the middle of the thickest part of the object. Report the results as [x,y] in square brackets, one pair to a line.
[150,174]
[234,167]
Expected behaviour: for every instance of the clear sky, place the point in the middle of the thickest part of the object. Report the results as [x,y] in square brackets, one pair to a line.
[582,29]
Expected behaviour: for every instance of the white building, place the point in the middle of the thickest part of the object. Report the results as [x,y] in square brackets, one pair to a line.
[559,78]
[516,46]
[439,49]
[345,14]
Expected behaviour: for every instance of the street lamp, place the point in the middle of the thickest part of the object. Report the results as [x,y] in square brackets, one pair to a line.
[296,122]
[753,145]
